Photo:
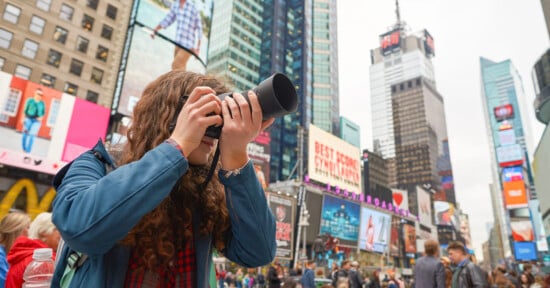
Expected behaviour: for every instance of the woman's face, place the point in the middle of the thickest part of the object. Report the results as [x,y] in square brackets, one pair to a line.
[52,239]
[200,155]
[523,278]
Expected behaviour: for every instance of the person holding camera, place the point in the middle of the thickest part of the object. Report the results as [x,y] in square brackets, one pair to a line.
[154,220]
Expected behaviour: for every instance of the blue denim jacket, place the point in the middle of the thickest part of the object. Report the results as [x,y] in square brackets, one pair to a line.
[94,211]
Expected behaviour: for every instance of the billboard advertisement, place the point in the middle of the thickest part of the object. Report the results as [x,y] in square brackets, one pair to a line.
[390,41]
[525,251]
[503,112]
[409,235]
[511,174]
[400,199]
[520,223]
[187,26]
[334,161]
[259,153]
[445,214]
[507,137]
[424,206]
[540,232]
[429,46]
[375,230]
[465,230]
[395,244]
[340,219]
[283,209]
[510,155]
[515,194]
[42,128]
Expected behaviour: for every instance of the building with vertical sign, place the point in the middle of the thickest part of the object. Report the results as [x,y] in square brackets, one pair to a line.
[509,133]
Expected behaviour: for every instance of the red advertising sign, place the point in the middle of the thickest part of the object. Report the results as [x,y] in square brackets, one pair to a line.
[429,44]
[504,112]
[390,41]
[515,194]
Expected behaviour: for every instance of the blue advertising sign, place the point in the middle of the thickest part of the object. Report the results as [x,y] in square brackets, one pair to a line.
[341,219]
[525,251]
[512,174]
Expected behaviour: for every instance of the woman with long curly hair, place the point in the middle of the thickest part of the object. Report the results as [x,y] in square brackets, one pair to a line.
[152,222]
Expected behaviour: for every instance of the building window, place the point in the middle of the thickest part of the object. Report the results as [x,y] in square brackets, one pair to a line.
[92,96]
[60,35]
[23,72]
[76,67]
[5,38]
[37,25]
[82,44]
[87,22]
[418,82]
[30,48]
[70,88]
[107,32]
[2,61]
[54,58]
[44,4]
[47,80]
[66,12]
[12,13]
[102,53]
[111,11]
[97,75]
[92,4]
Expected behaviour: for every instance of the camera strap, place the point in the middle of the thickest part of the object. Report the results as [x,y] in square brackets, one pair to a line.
[212,168]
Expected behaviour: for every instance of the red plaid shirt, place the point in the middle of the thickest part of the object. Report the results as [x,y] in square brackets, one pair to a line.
[181,274]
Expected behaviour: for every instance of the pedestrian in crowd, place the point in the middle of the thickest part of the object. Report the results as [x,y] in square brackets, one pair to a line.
[429,271]
[466,274]
[42,234]
[13,225]
[260,280]
[188,30]
[356,280]
[274,275]
[395,282]
[524,281]
[539,282]
[448,271]
[289,283]
[240,276]
[221,278]
[308,279]
[528,271]
[333,271]
[501,276]
[342,277]
[156,219]
[375,280]
[230,280]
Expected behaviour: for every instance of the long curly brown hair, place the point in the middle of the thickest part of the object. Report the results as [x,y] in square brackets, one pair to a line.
[160,233]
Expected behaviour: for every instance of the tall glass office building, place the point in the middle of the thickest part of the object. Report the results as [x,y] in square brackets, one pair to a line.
[508,130]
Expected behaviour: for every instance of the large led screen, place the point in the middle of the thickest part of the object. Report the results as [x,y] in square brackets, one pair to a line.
[375,230]
[340,219]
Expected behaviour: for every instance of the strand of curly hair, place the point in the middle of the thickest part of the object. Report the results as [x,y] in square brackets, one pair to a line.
[163,231]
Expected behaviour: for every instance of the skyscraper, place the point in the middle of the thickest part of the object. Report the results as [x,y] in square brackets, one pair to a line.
[510,144]
[401,56]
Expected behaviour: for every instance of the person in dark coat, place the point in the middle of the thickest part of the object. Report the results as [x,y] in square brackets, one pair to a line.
[429,271]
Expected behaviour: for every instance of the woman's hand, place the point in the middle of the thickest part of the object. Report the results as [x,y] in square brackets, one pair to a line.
[201,110]
[242,123]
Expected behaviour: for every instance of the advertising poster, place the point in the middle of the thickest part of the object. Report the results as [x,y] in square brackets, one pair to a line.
[445,214]
[400,199]
[333,161]
[375,230]
[520,223]
[507,137]
[189,27]
[445,234]
[424,206]
[465,230]
[283,209]
[259,153]
[42,128]
[515,194]
[525,251]
[510,155]
[341,219]
[511,174]
[395,244]
[409,235]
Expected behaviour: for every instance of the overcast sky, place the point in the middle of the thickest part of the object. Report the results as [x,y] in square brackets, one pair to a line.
[462,31]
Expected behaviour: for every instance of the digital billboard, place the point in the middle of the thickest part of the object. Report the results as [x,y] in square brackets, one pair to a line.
[187,26]
[341,219]
[375,230]
[525,251]
[429,46]
[510,174]
[395,245]
[409,235]
[259,153]
[507,137]
[520,223]
[515,194]
[390,41]
[333,161]
[424,206]
[445,214]
[400,199]
[283,209]
[510,155]
[503,112]
[42,128]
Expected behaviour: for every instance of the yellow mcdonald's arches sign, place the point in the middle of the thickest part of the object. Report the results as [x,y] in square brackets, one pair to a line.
[34,207]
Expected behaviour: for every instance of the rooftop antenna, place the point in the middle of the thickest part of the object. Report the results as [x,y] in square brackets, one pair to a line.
[398,13]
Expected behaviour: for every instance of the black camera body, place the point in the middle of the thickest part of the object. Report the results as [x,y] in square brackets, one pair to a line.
[276,95]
